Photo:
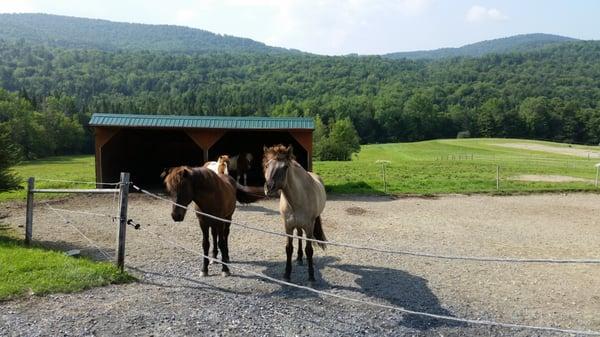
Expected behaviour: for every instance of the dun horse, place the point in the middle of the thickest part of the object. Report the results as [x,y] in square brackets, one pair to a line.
[214,194]
[241,164]
[219,166]
[301,204]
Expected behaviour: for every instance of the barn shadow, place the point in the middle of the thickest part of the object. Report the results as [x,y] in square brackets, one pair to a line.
[394,287]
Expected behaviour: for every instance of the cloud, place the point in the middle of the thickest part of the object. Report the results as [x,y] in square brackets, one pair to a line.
[482,14]
[13,6]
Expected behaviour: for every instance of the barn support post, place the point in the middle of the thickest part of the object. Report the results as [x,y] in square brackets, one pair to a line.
[29,212]
[123,198]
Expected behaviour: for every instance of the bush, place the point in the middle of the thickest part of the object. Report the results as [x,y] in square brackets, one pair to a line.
[339,144]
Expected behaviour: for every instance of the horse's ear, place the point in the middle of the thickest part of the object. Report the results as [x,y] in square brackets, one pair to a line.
[186,172]
[164,173]
[290,150]
[265,149]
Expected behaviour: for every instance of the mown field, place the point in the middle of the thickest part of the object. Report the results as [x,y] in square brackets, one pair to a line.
[430,167]
[460,166]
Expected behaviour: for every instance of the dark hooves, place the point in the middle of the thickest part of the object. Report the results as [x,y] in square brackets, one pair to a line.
[300,262]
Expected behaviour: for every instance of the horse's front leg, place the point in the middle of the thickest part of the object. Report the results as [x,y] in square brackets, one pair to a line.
[289,248]
[299,259]
[224,247]
[215,250]
[309,258]
[205,247]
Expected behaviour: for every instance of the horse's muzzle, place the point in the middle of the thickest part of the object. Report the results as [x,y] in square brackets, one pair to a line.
[270,191]
[177,216]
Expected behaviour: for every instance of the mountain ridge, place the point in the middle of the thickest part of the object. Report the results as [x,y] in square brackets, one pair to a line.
[86,33]
[504,45]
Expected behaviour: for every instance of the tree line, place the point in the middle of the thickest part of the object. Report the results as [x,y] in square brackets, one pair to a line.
[550,94]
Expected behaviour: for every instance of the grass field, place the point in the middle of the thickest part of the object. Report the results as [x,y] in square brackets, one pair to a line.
[430,167]
[460,166]
[35,271]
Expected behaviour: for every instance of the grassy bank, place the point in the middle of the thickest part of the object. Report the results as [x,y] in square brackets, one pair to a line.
[28,271]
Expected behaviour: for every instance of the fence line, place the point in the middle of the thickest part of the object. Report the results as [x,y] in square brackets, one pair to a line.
[77,182]
[384,306]
[388,251]
[78,231]
[113,217]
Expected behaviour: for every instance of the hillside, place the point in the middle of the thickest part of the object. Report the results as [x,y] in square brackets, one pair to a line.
[512,44]
[72,32]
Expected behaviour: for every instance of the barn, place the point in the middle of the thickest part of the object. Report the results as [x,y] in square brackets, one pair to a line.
[144,145]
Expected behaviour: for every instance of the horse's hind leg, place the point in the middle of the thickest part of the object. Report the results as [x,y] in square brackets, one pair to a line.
[205,247]
[309,258]
[299,259]
[215,250]
[223,246]
[289,248]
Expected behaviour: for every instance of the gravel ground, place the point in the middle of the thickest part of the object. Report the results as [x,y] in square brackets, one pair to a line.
[171,299]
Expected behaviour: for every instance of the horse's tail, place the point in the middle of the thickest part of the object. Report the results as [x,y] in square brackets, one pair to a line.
[248,194]
[318,233]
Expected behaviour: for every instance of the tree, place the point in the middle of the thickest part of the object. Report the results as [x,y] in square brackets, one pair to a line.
[342,142]
[9,156]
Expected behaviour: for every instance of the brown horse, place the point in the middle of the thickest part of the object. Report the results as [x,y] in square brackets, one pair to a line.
[214,194]
[301,204]
[241,164]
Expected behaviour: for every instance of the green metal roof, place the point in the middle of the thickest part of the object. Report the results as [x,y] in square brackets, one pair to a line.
[201,122]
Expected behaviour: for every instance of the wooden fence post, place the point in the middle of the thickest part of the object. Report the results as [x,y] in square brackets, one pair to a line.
[123,197]
[597,173]
[29,212]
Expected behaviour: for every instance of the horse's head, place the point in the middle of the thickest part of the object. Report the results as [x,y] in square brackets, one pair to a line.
[276,162]
[224,159]
[249,159]
[178,181]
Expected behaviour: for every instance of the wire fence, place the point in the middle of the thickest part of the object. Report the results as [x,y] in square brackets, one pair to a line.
[59,211]
[380,250]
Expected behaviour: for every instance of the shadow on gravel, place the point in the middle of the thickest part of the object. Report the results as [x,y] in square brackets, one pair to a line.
[167,280]
[257,208]
[394,287]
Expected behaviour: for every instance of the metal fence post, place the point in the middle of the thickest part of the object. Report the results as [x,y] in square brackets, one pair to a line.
[29,212]
[123,197]
[497,177]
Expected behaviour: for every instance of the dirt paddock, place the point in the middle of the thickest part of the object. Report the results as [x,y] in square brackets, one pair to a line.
[171,299]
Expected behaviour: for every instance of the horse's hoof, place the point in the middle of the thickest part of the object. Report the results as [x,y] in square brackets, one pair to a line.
[300,262]
[225,273]
[204,274]
[286,278]
[312,283]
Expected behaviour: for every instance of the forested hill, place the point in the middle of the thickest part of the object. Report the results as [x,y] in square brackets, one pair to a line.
[512,44]
[72,32]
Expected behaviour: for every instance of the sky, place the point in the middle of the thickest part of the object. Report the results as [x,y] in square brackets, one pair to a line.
[338,27]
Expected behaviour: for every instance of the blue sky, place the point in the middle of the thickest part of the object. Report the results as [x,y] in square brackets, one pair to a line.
[341,27]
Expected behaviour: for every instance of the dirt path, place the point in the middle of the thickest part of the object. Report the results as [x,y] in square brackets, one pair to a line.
[171,298]
[571,151]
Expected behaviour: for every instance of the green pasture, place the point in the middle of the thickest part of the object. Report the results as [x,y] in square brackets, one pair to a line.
[459,166]
[429,167]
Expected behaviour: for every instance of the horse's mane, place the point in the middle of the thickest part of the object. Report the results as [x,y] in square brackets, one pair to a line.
[279,152]
[174,176]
